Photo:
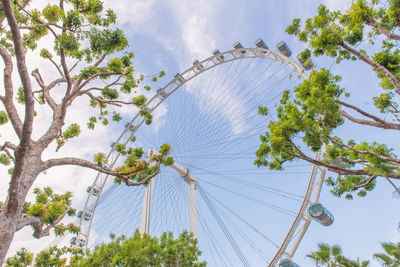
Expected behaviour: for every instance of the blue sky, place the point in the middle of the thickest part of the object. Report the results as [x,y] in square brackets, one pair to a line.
[176,32]
[168,35]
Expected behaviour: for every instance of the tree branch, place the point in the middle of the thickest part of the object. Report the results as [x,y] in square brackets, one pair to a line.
[20,153]
[387,125]
[42,23]
[365,152]
[35,73]
[371,22]
[375,65]
[78,86]
[373,177]
[37,224]
[117,103]
[330,167]
[129,182]
[47,25]
[26,2]
[8,100]
[5,149]
[78,162]
[378,122]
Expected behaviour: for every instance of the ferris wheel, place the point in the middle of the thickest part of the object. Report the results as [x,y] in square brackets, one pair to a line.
[240,214]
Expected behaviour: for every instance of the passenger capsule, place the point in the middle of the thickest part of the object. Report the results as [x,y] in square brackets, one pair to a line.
[288,263]
[198,65]
[179,77]
[303,62]
[238,45]
[261,44]
[86,215]
[94,191]
[130,127]
[216,52]
[81,242]
[162,93]
[320,214]
[284,49]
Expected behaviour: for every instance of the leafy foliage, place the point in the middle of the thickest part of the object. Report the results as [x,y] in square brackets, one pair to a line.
[143,250]
[391,257]
[22,258]
[139,250]
[51,207]
[3,117]
[308,116]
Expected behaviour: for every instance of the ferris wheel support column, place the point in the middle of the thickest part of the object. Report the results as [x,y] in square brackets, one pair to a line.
[192,182]
[145,218]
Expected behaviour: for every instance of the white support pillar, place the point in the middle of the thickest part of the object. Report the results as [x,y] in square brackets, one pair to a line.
[145,219]
[192,182]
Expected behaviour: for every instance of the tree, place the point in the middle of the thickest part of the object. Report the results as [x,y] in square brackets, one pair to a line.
[331,256]
[91,60]
[391,257]
[139,250]
[21,259]
[308,116]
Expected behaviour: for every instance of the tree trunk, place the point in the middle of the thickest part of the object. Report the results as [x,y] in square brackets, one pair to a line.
[10,217]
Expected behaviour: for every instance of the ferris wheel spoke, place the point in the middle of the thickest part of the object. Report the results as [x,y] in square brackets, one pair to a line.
[212,124]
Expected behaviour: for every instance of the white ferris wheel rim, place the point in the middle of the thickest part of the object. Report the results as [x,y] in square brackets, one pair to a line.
[302,220]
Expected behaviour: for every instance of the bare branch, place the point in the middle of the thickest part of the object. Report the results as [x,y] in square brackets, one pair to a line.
[117,103]
[25,138]
[375,65]
[376,123]
[8,100]
[49,99]
[26,2]
[57,67]
[88,164]
[73,67]
[26,220]
[371,22]
[78,162]
[37,224]
[47,25]
[5,149]
[78,86]
[42,23]
[367,152]
[373,177]
[331,167]
[316,162]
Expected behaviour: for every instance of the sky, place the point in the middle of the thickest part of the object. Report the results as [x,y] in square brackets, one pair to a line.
[168,35]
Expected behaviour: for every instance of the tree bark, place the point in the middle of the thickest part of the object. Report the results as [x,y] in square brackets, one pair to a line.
[9,218]
[390,76]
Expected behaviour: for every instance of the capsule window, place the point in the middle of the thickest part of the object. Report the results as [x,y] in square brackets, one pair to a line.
[320,214]
[198,66]
[284,49]
[162,93]
[238,45]
[216,52]
[179,78]
[261,44]
[288,263]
